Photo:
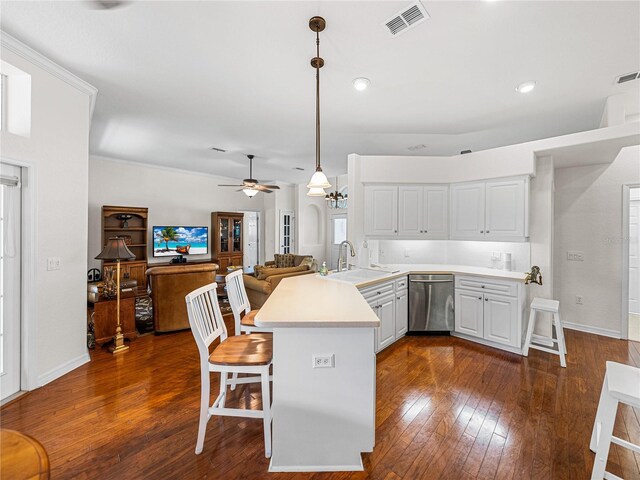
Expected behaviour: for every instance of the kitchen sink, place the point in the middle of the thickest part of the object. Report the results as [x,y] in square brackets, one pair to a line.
[358,275]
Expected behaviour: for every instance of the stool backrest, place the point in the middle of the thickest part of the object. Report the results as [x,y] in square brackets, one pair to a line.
[205,318]
[238,299]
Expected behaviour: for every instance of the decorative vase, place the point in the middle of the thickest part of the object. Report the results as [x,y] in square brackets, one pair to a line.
[110,288]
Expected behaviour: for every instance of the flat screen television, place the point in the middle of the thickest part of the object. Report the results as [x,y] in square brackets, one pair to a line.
[170,241]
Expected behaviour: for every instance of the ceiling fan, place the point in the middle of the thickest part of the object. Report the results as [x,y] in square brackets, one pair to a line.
[251,186]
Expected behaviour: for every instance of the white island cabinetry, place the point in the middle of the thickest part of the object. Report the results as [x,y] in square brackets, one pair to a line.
[389,301]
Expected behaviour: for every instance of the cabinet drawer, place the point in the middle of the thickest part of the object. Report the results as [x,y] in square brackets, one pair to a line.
[402,284]
[377,290]
[479,284]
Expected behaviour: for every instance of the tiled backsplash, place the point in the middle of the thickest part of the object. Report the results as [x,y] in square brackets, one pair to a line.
[477,254]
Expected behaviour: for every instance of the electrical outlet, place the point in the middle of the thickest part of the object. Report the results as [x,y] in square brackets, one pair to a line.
[324,360]
[574,256]
[579,300]
[54,263]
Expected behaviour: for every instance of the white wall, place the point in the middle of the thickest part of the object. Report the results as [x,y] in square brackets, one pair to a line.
[57,149]
[311,224]
[588,218]
[173,197]
[456,252]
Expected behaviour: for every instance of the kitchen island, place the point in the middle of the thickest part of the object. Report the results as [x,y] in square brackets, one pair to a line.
[324,385]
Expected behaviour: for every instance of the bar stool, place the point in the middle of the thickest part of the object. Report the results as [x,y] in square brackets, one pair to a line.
[243,316]
[553,307]
[621,385]
[251,354]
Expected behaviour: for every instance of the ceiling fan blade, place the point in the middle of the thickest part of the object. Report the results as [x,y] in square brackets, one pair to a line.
[220,185]
[272,187]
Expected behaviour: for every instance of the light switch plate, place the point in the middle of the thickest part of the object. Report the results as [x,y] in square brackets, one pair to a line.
[54,263]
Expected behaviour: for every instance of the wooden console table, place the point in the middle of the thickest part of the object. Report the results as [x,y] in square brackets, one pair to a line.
[104,317]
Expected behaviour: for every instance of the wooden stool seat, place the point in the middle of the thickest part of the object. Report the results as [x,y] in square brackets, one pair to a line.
[249,320]
[545,305]
[22,457]
[254,349]
[621,385]
[534,341]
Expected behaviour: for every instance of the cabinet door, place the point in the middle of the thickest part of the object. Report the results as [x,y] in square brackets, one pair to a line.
[410,210]
[235,260]
[138,272]
[500,319]
[224,235]
[467,210]
[469,313]
[381,210]
[435,211]
[505,209]
[402,313]
[236,234]
[386,313]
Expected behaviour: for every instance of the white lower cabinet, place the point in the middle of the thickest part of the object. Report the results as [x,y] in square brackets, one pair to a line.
[390,302]
[469,317]
[496,318]
[402,313]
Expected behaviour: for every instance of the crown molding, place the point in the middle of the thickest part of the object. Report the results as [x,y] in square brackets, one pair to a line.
[39,60]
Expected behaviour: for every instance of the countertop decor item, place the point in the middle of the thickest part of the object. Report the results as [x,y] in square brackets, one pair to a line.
[534,276]
[116,250]
[124,218]
[318,181]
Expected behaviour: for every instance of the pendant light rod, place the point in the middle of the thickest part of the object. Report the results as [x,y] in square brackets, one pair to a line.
[250,165]
[318,167]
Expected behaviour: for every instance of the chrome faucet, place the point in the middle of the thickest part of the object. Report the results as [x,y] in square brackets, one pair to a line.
[342,261]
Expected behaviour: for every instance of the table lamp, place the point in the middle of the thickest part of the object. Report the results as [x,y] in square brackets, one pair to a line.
[116,250]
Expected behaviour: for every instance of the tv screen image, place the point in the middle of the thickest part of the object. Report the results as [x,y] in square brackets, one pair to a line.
[172,241]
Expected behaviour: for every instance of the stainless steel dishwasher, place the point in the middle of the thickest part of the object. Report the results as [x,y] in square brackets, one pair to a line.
[431,304]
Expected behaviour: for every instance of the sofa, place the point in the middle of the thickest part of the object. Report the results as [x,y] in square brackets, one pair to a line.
[169,285]
[266,277]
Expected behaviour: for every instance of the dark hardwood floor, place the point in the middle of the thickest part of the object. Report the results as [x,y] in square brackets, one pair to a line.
[447,408]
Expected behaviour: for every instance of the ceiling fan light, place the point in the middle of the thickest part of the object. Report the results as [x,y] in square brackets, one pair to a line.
[319,180]
[250,192]
[316,192]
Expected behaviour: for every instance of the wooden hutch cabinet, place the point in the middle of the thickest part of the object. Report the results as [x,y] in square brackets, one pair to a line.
[134,231]
[226,230]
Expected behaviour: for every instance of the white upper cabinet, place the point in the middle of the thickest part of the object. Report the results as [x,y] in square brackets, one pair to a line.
[492,210]
[435,211]
[505,209]
[467,211]
[410,210]
[381,210]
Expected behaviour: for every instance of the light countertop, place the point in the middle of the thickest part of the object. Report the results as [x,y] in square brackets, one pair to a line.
[310,301]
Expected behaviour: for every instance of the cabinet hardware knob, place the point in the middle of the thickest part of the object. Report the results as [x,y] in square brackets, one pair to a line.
[395,231]
[479,298]
[378,293]
[481,231]
[487,231]
[481,286]
[486,299]
[398,298]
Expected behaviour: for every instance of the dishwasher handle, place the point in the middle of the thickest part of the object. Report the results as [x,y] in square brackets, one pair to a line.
[431,281]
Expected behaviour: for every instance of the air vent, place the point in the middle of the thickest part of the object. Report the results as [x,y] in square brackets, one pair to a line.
[406,19]
[628,77]
[413,148]
[299,168]
[216,149]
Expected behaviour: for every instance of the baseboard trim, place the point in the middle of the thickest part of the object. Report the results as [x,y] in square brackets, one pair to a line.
[488,343]
[356,467]
[63,369]
[605,332]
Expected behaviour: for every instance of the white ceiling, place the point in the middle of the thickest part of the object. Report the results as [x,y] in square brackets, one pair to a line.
[177,77]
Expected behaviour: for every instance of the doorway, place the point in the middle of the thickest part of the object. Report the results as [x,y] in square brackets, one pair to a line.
[251,247]
[11,285]
[287,238]
[338,232]
[634,264]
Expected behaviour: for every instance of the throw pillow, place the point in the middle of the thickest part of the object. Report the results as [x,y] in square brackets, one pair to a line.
[284,260]
[267,272]
[306,262]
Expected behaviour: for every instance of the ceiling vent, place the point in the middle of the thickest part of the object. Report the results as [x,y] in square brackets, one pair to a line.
[627,77]
[413,148]
[216,149]
[406,19]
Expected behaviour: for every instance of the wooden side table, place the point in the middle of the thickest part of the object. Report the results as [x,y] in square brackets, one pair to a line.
[22,457]
[104,317]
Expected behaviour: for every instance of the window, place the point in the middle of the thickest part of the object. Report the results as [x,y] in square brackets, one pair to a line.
[339,230]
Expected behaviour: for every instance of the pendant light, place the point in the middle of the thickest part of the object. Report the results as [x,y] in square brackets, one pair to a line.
[318,181]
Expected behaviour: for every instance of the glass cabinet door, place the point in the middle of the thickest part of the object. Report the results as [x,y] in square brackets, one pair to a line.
[237,235]
[224,234]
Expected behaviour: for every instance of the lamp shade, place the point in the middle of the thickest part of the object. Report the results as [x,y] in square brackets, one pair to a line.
[115,249]
[319,180]
[316,192]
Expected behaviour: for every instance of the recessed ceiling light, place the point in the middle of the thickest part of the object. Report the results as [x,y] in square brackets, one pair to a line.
[361,83]
[526,87]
